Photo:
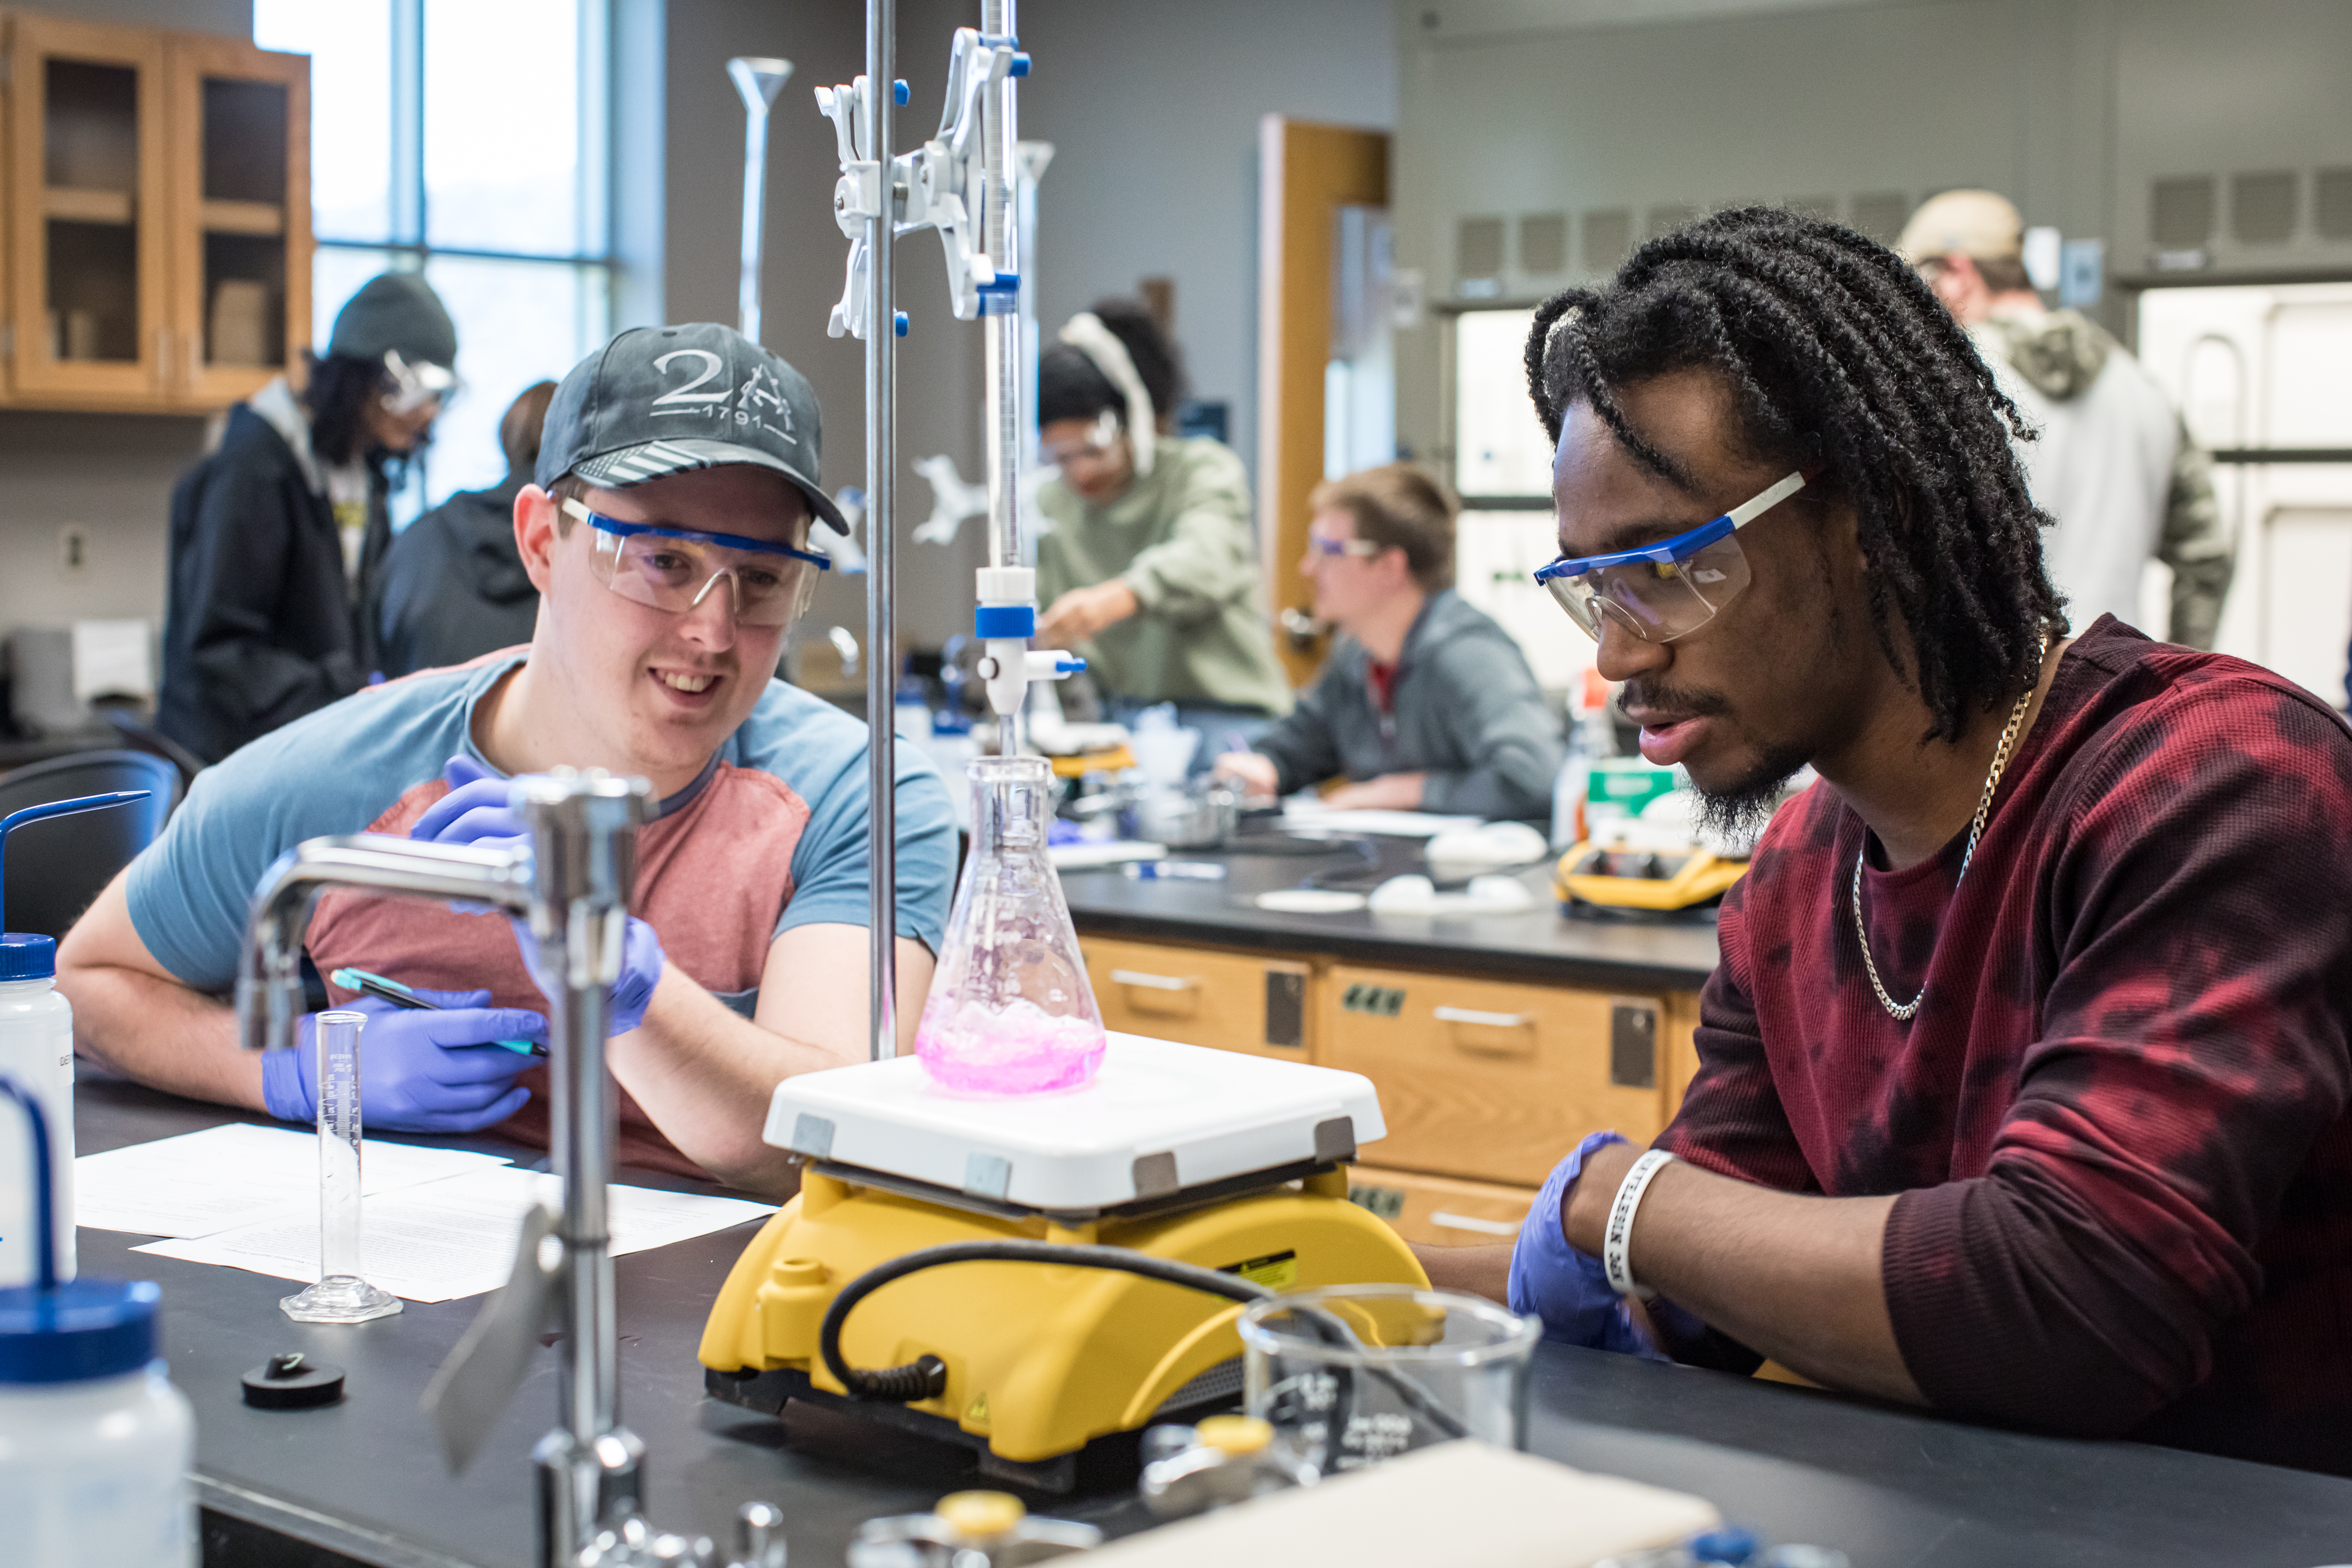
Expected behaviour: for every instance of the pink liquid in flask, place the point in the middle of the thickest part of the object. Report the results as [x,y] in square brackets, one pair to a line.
[1019,1049]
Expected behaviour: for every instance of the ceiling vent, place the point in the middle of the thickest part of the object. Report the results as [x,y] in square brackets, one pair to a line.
[1880,215]
[2262,207]
[2331,204]
[1478,257]
[1543,243]
[1608,236]
[2180,213]
[1668,216]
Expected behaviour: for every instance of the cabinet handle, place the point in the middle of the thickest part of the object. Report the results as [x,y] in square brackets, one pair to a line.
[1484,1020]
[1152,982]
[1469,1222]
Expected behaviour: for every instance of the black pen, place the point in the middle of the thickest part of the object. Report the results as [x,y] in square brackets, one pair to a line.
[400,996]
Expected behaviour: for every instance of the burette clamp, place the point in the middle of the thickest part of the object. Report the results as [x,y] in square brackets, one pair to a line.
[1003,624]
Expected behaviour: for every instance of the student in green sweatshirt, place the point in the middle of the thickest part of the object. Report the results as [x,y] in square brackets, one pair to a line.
[1151,564]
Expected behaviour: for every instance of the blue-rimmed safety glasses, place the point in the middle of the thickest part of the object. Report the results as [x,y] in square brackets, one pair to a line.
[1363,549]
[1665,590]
[674,569]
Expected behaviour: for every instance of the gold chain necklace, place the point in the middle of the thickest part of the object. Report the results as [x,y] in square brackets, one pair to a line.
[1901,1012]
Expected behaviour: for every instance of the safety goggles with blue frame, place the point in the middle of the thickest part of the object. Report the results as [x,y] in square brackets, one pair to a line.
[675,569]
[1665,590]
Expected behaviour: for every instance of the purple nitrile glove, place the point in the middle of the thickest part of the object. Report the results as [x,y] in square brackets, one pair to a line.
[420,1070]
[1565,1287]
[475,812]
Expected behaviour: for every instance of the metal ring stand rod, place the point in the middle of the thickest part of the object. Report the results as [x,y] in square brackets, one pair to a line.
[881,543]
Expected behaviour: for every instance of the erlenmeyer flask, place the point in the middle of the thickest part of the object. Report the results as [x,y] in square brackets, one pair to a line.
[1010,1010]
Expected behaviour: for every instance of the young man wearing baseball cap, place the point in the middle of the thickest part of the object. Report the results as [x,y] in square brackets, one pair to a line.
[669,537]
[2112,462]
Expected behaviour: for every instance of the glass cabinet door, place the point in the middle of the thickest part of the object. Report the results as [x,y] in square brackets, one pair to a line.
[240,147]
[89,213]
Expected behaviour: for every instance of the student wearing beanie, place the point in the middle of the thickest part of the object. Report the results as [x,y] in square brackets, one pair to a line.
[276,533]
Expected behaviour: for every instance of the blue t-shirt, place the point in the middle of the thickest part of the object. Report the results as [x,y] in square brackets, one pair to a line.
[769,837]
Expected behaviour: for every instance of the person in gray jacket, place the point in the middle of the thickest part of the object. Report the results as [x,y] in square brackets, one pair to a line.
[1426,704]
[452,586]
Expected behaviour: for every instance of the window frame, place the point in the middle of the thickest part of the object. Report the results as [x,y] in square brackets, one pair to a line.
[408,243]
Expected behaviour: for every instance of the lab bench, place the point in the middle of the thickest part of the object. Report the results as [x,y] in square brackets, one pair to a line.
[362,1482]
[1496,1041]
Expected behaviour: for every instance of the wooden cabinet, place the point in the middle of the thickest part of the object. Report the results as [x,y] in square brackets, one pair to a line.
[157,194]
[1492,1080]
[1201,996]
[1440,1211]
[241,281]
[1484,1084]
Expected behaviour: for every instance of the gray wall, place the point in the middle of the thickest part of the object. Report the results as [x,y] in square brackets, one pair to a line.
[110,475]
[1154,112]
[2071,107]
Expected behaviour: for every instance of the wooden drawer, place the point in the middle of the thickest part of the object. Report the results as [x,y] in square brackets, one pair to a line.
[1439,1211]
[1490,1081]
[1199,996]
[1681,1050]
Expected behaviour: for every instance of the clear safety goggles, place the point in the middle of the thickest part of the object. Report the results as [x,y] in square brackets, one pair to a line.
[675,569]
[416,386]
[1363,549]
[1099,438]
[1665,590]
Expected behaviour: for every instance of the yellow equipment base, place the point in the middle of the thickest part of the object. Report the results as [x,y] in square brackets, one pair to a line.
[1041,1360]
[1699,878]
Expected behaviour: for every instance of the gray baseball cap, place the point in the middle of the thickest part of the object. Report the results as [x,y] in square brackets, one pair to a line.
[657,401]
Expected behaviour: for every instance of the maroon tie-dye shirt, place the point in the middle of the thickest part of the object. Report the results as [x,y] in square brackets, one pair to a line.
[2119,1121]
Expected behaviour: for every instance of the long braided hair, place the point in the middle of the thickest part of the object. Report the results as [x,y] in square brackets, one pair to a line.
[1843,361]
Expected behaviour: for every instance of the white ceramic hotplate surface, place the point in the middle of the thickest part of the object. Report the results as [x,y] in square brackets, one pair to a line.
[1157,1118]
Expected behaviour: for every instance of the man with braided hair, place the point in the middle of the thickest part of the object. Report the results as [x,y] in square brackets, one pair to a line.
[2023,1079]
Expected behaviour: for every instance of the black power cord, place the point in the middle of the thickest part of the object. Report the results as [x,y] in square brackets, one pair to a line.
[926,1377]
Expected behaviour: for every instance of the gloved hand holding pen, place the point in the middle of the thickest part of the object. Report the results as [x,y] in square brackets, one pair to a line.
[475,812]
[421,1070]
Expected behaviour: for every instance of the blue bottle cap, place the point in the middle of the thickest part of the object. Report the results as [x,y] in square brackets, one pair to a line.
[82,1330]
[25,956]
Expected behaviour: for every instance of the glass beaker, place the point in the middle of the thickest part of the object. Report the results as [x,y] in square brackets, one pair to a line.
[1352,1374]
[343,1294]
[1010,1010]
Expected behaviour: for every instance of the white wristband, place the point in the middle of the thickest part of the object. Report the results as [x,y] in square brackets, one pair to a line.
[1616,1241]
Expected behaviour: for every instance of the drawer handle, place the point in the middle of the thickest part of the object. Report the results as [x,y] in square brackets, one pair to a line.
[1471,1222]
[1152,982]
[1484,1020]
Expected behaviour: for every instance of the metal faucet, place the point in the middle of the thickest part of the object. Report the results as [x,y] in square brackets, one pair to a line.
[572,886]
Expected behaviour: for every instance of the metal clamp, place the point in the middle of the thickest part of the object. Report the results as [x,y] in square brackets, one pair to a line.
[939,185]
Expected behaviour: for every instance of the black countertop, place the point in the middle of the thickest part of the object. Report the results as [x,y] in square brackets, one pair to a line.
[363,1479]
[1540,944]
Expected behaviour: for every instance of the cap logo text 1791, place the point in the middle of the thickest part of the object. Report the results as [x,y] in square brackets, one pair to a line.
[758,400]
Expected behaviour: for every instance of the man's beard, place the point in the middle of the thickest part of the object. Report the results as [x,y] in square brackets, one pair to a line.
[1734,818]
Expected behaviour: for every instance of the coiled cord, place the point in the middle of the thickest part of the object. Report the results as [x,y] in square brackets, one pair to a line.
[926,1377]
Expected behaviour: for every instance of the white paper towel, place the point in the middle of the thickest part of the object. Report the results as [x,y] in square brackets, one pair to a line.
[111,659]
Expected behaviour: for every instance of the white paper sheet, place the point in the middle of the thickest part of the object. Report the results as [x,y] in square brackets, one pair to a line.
[1305,815]
[456,1236]
[237,1175]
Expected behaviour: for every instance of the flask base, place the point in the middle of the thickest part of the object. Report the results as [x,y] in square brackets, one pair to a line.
[339,1299]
